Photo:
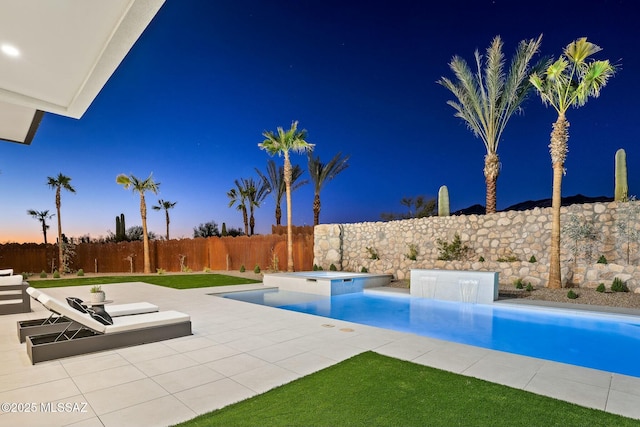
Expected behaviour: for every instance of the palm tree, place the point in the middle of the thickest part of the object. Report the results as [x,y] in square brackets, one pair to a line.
[141,186]
[42,216]
[568,82]
[166,205]
[321,174]
[256,193]
[238,196]
[274,180]
[281,143]
[488,98]
[60,182]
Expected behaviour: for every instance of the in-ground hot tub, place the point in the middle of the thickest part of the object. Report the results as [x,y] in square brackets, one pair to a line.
[326,282]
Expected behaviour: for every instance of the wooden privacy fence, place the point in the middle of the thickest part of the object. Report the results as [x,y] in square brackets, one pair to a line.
[216,253]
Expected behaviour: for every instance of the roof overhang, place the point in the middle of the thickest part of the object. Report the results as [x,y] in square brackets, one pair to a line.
[66,52]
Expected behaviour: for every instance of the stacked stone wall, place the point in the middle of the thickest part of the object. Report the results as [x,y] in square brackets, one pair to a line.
[503,242]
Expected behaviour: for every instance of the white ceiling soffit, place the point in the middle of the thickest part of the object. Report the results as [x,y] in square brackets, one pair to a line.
[66,52]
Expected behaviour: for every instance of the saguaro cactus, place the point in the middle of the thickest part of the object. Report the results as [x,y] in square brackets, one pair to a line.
[622,189]
[120,228]
[443,201]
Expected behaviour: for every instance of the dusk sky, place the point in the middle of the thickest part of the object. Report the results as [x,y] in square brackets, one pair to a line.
[192,98]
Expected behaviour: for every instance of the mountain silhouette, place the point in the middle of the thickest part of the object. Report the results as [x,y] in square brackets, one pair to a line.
[530,204]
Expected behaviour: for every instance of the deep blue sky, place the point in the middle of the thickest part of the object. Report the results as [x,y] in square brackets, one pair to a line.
[191,100]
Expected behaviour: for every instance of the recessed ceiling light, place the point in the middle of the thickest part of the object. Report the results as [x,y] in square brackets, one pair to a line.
[10,50]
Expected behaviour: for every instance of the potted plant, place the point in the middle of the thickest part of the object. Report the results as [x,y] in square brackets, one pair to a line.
[97,294]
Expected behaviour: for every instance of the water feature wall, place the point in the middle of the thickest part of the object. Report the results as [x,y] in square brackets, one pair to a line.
[504,242]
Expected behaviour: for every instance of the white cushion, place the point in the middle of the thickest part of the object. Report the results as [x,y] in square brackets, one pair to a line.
[130,308]
[11,280]
[141,321]
[6,272]
[33,292]
[63,309]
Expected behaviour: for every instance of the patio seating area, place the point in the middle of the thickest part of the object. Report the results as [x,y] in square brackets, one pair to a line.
[238,350]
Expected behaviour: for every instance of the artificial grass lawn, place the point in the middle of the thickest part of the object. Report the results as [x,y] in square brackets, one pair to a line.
[175,281]
[375,390]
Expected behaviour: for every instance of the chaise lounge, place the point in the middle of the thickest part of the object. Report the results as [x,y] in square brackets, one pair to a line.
[13,295]
[56,323]
[95,333]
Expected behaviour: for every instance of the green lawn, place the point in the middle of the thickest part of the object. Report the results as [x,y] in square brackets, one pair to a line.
[375,390]
[175,281]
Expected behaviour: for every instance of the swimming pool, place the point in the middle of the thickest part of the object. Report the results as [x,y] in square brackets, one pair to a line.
[593,340]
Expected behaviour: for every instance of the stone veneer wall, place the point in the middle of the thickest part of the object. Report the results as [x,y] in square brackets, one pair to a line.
[513,234]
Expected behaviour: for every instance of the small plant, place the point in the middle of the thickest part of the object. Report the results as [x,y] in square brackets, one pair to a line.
[571,294]
[413,252]
[533,259]
[481,259]
[256,269]
[618,285]
[508,258]
[529,287]
[206,270]
[600,288]
[364,270]
[43,274]
[373,253]
[333,267]
[242,269]
[602,260]
[56,274]
[80,272]
[518,283]
[95,289]
[454,251]
[315,267]
[160,270]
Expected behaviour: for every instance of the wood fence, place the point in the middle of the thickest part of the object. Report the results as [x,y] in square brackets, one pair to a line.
[269,252]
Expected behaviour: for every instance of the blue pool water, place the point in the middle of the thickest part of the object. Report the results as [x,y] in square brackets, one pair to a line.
[606,342]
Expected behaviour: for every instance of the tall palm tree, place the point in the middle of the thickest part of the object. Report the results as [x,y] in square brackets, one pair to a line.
[486,99]
[274,180]
[166,205]
[42,216]
[238,196]
[281,143]
[568,82]
[141,186]
[321,174]
[60,182]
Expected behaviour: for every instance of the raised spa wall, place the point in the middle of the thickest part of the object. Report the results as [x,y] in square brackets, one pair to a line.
[507,235]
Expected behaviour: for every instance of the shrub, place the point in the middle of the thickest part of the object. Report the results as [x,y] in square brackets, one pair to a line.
[602,260]
[508,258]
[600,287]
[43,274]
[333,267]
[619,286]
[533,259]
[242,269]
[364,270]
[256,269]
[80,272]
[571,294]
[56,274]
[413,252]
[315,267]
[373,253]
[160,270]
[518,283]
[529,287]
[454,251]
[481,259]
[206,270]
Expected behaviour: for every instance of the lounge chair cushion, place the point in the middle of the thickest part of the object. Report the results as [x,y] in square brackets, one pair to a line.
[147,320]
[130,308]
[33,292]
[76,303]
[100,315]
